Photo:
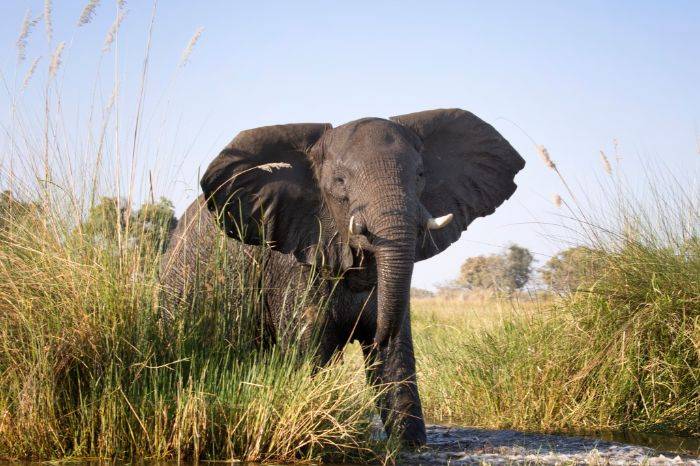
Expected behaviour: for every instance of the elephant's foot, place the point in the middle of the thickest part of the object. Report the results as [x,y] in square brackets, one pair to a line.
[411,431]
[407,424]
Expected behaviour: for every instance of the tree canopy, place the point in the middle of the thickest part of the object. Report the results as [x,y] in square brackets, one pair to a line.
[505,272]
[570,269]
[149,226]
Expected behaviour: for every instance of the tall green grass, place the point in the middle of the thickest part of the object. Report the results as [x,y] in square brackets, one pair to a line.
[620,353]
[92,366]
[96,360]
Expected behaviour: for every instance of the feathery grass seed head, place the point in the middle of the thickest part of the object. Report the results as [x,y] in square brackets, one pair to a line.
[268,167]
[556,200]
[112,33]
[27,25]
[30,73]
[606,163]
[112,98]
[544,155]
[88,12]
[56,59]
[47,20]
[190,46]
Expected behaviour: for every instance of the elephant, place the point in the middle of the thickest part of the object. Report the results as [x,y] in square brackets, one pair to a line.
[362,202]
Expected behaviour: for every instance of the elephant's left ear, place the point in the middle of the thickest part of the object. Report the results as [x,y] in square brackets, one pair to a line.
[469,171]
[263,190]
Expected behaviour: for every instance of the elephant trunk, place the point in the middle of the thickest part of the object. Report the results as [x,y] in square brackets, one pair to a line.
[394,255]
[394,270]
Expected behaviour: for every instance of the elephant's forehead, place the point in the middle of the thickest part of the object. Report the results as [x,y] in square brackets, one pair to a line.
[368,137]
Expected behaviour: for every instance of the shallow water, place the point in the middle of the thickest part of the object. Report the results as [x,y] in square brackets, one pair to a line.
[659,442]
[456,445]
[465,446]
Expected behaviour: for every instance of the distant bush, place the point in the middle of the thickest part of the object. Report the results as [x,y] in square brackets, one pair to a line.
[572,268]
[505,272]
[419,293]
[110,221]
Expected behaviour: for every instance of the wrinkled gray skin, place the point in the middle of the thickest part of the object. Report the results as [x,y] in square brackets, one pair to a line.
[391,175]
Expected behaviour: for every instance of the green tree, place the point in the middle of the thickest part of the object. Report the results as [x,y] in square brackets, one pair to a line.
[153,223]
[105,219]
[12,210]
[506,272]
[148,228]
[483,272]
[518,266]
[571,269]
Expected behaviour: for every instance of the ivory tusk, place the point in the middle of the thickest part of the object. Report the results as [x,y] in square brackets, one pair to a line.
[436,223]
[354,228]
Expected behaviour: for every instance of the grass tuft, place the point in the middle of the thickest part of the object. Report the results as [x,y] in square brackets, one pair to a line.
[621,352]
[91,365]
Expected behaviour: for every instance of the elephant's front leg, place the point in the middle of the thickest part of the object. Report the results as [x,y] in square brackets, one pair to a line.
[393,370]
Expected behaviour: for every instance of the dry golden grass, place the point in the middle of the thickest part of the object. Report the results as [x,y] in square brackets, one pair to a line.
[472,314]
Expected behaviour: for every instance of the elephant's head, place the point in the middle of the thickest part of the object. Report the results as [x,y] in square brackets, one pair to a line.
[397,191]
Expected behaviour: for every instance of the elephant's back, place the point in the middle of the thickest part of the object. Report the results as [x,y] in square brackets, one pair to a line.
[194,252]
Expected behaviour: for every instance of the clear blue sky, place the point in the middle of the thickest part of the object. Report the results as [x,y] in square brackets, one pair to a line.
[574,77]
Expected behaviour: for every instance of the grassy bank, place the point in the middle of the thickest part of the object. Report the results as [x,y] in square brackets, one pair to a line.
[574,366]
[621,352]
[90,367]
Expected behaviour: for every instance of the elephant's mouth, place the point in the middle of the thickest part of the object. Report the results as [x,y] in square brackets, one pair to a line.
[360,244]
[362,276]
[363,273]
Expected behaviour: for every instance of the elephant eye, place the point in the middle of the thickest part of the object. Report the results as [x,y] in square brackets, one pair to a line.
[420,180]
[337,188]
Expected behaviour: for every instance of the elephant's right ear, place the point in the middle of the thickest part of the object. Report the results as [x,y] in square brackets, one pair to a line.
[263,189]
